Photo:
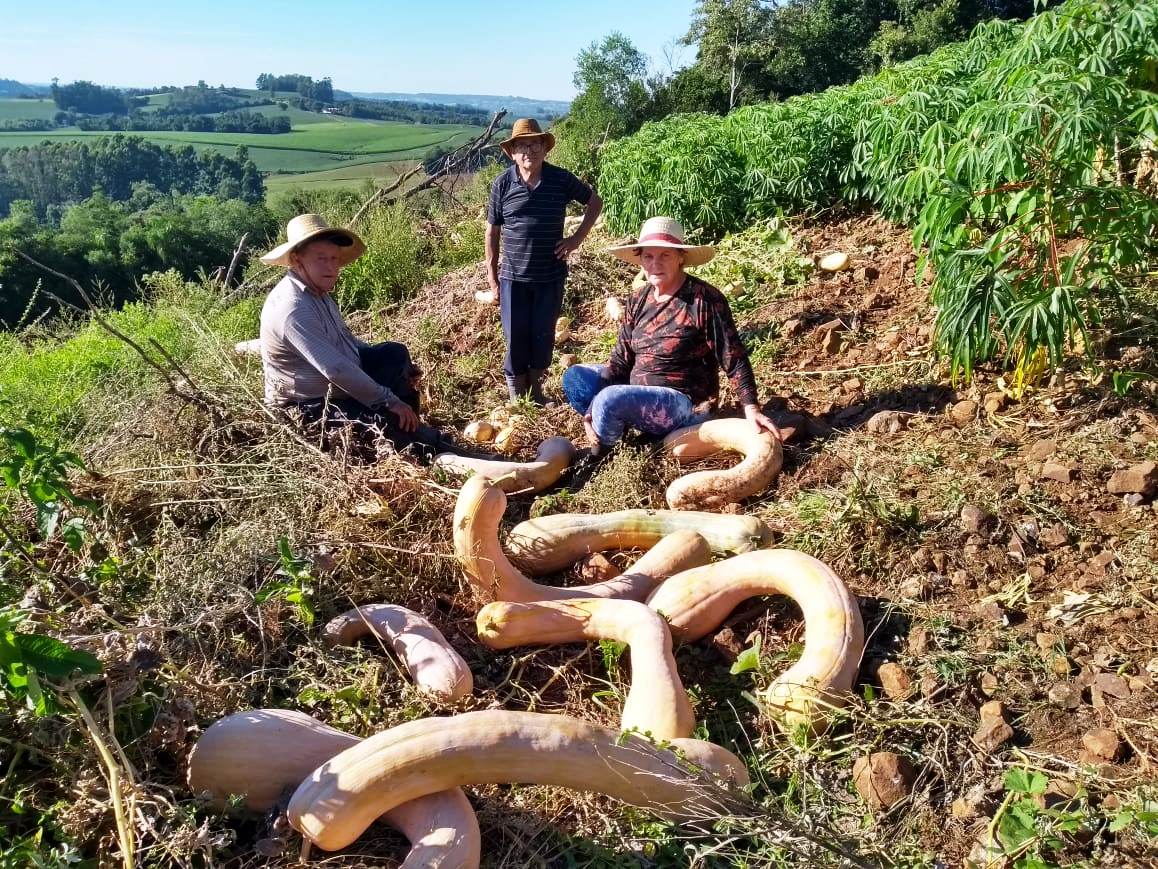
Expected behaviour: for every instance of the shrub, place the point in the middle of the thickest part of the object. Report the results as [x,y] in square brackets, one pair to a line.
[682,167]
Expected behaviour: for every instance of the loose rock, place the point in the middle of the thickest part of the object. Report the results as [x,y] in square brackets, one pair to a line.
[963,413]
[1054,536]
[596,567]
[1102,743]
[1141,479]
[1065,695]
[993,729]
[995,401]
[974,520]
[1041,450]
[1059,471]
[886,422]
[792,328]
[883,778]
[895,682]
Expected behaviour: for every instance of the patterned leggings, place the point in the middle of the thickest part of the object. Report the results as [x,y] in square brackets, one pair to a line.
[653,410]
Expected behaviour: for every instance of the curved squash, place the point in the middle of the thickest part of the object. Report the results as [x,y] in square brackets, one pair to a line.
[477,514]
[697,601]
[552,459]
[430,660]
[656,703]
[706,490]
[261,754]
[335,805]
[550,543]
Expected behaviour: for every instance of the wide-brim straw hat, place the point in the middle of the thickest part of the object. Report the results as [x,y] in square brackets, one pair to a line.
[663,232]
[527,128]
[308,227]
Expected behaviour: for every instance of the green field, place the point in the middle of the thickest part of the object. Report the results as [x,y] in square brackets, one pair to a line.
[327,144]
[350,177]
[14,110]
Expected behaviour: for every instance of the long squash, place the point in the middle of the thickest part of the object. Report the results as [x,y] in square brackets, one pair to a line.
[656,704]
[262,754]
[708,490]
[343,796]
[550,543]
[697,601]
[552,459]
[432,662]
[477,514]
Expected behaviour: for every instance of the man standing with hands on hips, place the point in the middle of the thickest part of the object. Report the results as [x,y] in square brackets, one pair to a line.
[525,214]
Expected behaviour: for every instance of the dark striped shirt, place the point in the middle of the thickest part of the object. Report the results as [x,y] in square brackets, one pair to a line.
[532,221]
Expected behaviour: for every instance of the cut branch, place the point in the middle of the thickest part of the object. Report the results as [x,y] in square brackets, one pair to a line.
[199,398]
[455,160]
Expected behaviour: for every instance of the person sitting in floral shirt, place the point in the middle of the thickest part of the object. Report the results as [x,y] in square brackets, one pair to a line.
[676,335]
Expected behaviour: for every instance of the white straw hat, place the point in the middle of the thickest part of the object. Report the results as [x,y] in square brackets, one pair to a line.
[663,232]
[306,227]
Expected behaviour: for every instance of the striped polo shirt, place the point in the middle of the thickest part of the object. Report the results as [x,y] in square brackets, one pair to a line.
[532,221]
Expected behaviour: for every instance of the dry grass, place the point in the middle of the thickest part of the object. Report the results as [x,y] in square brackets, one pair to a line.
[193,510]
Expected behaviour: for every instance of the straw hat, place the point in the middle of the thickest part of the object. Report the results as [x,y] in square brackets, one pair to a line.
[307,227]
[663,232]
[527,128]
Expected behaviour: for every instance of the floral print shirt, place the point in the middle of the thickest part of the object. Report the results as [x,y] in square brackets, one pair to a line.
[682,343]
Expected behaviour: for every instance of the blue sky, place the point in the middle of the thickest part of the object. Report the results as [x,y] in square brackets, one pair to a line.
[499,47]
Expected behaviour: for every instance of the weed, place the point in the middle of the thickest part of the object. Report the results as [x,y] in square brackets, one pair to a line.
[296,586]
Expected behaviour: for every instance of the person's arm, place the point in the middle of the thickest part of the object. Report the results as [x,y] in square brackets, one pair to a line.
[569,245]
[622,355]
[724,339]
[306,336]
[493,238]
[492,243]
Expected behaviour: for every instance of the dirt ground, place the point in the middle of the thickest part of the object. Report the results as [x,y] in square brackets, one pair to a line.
[1004,569]
[975,525]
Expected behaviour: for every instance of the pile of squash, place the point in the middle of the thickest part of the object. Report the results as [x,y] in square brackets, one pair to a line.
[412,775]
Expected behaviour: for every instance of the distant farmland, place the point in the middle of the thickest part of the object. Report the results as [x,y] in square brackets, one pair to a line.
[37,110]
[321,151]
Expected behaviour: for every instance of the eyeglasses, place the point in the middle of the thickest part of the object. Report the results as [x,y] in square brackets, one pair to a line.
[529,145]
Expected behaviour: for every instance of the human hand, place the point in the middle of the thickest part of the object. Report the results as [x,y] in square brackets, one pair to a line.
[761,422]
[589,428]
[407,419]
[567,246]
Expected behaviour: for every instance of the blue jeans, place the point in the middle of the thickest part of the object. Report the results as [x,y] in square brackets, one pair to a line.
[653,410]
[528,312]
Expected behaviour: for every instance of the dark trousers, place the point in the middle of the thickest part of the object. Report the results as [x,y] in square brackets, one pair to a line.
[529,311]
[389,364]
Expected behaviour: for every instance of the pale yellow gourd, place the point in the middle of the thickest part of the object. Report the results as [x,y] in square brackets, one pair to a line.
[695,602]
[553,458]
[657,703]
[477,514]
[763,456]
[431,661]
[335,805]
[265,753]
[550,543]
[480,432]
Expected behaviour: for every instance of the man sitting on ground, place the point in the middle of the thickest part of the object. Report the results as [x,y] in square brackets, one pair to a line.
[309,355]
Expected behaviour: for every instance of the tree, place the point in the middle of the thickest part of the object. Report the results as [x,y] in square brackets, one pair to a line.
[732,36]
[614,100]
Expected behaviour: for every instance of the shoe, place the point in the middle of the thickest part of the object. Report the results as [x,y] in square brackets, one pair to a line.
[517,386]
[535,381]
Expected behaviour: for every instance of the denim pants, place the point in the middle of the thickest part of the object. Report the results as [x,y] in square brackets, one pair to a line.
[528,312]
[653,410]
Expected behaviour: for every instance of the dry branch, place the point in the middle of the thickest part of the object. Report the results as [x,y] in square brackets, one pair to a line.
[455,160]
[197,396]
